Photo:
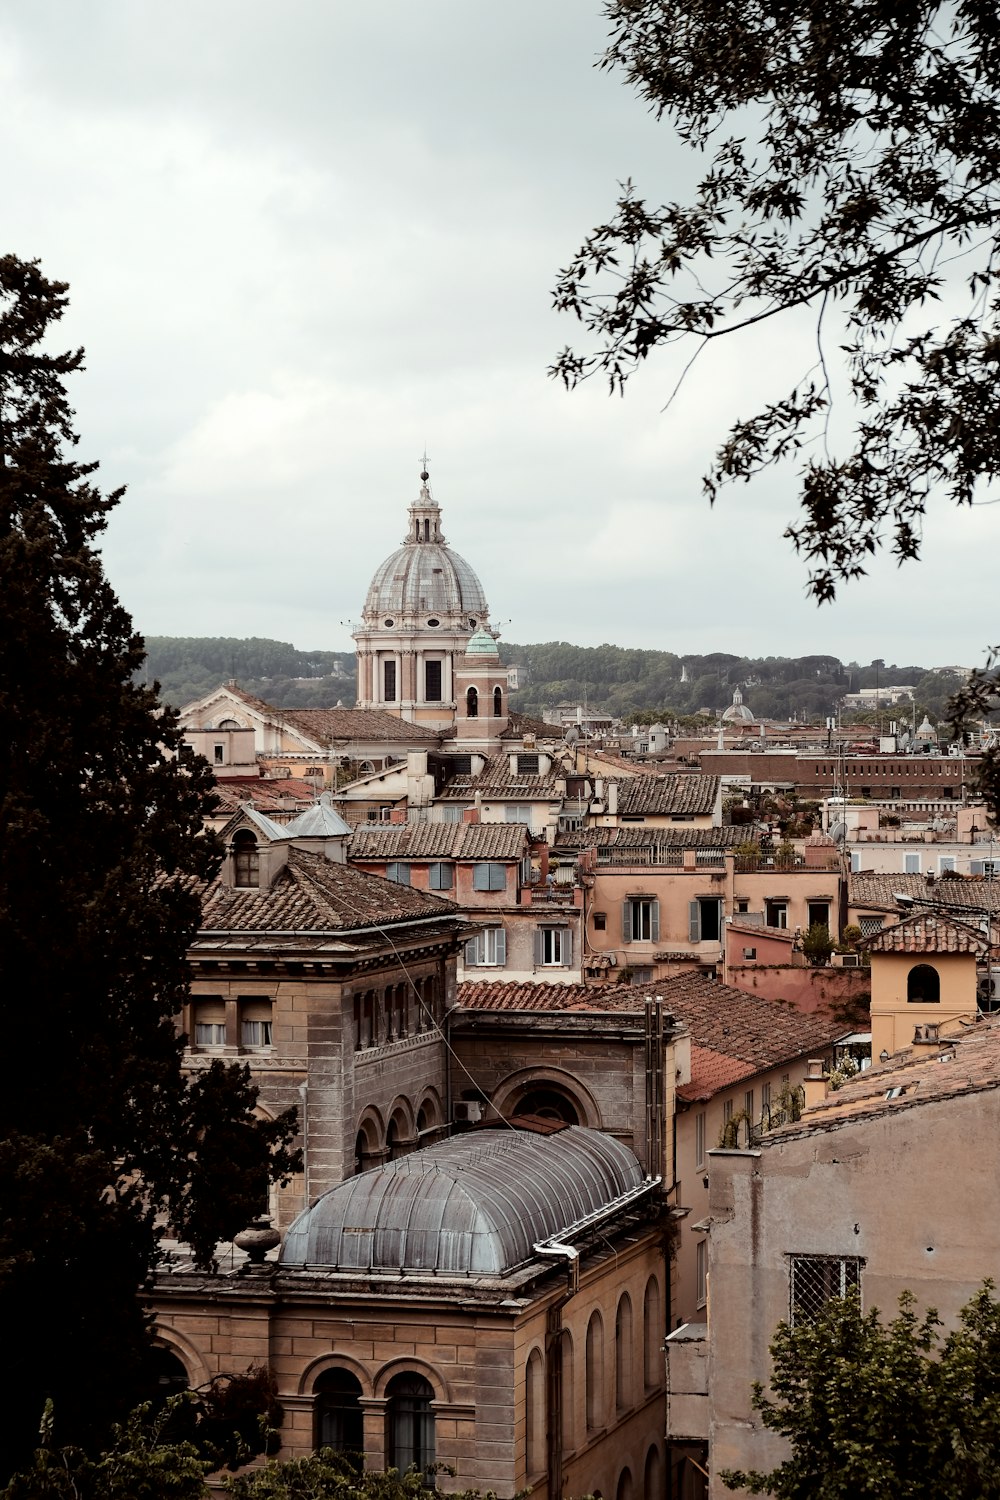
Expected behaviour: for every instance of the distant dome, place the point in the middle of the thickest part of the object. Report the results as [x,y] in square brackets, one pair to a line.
[737,712]
[482,644]
[472,1205]
[926,730]
[424,577]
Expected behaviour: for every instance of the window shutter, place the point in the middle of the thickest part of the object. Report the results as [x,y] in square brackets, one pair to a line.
[976,867]
[654,921]
[567,947]
[501,946]
[472,951]
[694,922]
[626,921]
[539,945]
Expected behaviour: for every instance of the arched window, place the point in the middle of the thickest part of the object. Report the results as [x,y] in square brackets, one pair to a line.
[534,1413]
[169,1375]
[568,1414]
[652,1336]
[339,1419]
[497,703]
[548,1104]
[923,985]
[623,1353]
[246,859]
[228,724]
[472,704]
[624,1490]
[410,1422]
[652,1482]
[595,1373]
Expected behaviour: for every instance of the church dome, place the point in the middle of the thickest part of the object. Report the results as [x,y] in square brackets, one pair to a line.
[737,712]
[482,644]
[424,578]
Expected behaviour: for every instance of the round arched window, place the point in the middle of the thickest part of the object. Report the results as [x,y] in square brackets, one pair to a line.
[923,985]
[410,1422]
[339,1419]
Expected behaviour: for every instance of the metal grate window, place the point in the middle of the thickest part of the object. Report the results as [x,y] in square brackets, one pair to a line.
[816,1278]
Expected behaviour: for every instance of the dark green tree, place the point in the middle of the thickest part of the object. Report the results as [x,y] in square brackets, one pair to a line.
[872,1409]
[853,168]
[102,854]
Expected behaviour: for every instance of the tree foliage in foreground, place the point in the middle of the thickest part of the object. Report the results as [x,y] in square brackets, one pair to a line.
[873,1409]
[102,852]
[853,151]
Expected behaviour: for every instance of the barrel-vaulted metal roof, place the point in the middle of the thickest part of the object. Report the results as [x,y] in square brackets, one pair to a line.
[472,1205]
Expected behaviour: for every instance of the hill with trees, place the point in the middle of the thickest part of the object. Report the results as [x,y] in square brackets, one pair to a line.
[644,685]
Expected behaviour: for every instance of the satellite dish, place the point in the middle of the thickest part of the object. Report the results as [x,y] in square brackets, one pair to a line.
[839,831]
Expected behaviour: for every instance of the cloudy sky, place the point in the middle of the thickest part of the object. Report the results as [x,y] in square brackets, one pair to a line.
[305,239]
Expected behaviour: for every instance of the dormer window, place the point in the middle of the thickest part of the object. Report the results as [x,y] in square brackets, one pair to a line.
[246,859]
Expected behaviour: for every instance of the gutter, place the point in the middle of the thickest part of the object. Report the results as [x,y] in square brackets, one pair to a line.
[558,1244]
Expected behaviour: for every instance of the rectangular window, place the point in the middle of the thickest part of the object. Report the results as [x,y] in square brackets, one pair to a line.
[776,913]
[255,1022]
[701,1272]
[814,1279]
[489,877]
[727,1111]
[743,906]
[432,681]
[855,861]
[748,1103]
[440,877]
[819,914]
[397,872]
[749,954]
[765,1098]
[451,814]
[487,949]
[699,1140]
[870,925]
[600,921]
[209,1022]
[527,765]
[515,814]
[946,862]
[554,947]
[641,920]
[389,681]
[911,864]
[220,754]
[705,920]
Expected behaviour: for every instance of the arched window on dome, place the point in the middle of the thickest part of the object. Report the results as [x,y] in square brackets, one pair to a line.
[472,704]
[497,703]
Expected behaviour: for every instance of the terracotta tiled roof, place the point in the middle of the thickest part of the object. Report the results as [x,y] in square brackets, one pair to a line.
[496,781]
[711,1072]
[312,894]
[960,1064]
[334,725]
[753,1033]
[439,841]
[877,890]
[927,932]
[522,724]
[632,837]
[659,795]
[267,796]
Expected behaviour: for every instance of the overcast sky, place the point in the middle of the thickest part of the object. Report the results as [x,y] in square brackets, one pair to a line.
[304,239]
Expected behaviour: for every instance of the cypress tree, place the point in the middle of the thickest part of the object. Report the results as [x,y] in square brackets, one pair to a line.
[102,857]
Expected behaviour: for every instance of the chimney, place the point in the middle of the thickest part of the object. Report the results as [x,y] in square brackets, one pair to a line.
[926,1035]
[816,1083]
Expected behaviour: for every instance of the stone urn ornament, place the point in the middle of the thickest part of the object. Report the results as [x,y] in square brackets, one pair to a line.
[257,1239]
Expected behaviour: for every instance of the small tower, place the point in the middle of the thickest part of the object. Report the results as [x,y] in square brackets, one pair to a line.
[480,695]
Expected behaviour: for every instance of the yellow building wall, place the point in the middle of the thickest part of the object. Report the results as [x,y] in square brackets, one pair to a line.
[894,1017]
